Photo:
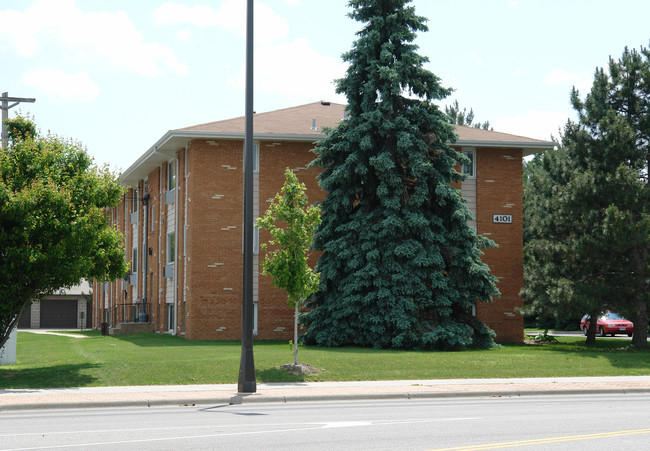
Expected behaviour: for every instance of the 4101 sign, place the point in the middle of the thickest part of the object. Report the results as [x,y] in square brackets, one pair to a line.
[502,219]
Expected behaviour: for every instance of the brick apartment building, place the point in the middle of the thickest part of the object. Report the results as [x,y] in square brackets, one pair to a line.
[182,219]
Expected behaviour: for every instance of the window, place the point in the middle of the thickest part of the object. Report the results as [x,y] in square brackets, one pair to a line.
[254,318]
[152,220]
[171,176]
[469,169]
[134,203]
[170,247]
[134,261]
[170,317]
[256,157]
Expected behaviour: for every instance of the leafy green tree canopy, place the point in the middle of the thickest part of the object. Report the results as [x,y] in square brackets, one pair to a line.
[400,267]
[53,230]
[291,222]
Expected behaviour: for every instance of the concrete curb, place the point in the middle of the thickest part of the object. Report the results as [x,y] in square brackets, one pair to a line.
[190,399]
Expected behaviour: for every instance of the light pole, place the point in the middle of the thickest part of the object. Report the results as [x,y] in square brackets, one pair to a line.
[4,105]
[246,382]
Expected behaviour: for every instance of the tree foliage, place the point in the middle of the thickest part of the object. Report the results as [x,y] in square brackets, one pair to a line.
[53,231]
[462,117]
[588,203]
[291,222]
[400,267]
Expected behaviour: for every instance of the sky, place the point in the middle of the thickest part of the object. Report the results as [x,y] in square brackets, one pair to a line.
[116,75]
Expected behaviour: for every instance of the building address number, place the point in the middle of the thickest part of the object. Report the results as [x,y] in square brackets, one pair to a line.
[502,219]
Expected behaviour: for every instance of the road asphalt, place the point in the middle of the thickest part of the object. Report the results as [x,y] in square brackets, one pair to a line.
[219,394]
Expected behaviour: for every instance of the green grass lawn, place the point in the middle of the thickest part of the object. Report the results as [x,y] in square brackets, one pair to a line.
[53,361]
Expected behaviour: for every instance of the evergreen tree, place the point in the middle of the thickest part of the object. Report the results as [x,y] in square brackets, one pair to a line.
[399,266]
[462,117]
[552,233]
[595,213]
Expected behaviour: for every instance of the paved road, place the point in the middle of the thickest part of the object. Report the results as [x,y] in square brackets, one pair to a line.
[531,423]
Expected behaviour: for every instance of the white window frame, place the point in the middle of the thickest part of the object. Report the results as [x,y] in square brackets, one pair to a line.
[463,169]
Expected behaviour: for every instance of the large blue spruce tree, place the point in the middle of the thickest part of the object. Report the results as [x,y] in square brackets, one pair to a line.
[400,267]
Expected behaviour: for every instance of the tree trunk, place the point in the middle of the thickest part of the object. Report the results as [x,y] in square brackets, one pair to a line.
[593,327]
[4,335]
[640,338]
[295,335]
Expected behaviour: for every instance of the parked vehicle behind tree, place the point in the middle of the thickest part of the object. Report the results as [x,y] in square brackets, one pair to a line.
[609,323]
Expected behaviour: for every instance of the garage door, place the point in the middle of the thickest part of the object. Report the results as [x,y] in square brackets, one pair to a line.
[59,313]
[25,318]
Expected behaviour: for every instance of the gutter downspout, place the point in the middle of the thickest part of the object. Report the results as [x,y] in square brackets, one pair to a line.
[145,207]
[176,222]
[185,226]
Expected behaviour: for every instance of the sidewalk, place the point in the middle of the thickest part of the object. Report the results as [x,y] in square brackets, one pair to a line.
[180,395]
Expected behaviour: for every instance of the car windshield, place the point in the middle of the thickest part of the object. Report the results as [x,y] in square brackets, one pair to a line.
[612,315]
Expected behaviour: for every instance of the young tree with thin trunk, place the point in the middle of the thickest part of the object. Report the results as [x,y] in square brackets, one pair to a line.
[291,222]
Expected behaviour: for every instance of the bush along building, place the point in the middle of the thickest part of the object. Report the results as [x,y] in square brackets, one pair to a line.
[182,220]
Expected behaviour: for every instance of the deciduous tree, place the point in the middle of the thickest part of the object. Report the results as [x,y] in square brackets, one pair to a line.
[53,230]
[291,222]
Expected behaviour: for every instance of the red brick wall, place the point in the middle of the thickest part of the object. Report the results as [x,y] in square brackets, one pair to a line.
[214,243]
[275,316]
[209,264]
[214,236]
[499,190]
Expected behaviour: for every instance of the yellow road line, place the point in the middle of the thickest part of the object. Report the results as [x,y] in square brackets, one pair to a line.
[542,441]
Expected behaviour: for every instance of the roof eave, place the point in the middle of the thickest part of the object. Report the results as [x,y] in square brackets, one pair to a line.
[528,148]
[167,146]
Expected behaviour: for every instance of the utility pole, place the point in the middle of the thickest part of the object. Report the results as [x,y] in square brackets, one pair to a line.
[246,383]
[5,113]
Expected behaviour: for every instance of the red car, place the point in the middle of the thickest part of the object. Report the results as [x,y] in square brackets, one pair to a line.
[609,323]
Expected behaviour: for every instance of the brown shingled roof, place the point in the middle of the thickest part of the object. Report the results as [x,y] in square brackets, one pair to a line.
[299,120]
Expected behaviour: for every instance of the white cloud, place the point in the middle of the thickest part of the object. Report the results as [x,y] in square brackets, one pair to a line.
[513,4]
[61,86]
[539,124]
[184,35]
[296,71]
[59,26]
[292,2]
[477,59]
[231,16]
[556,77]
